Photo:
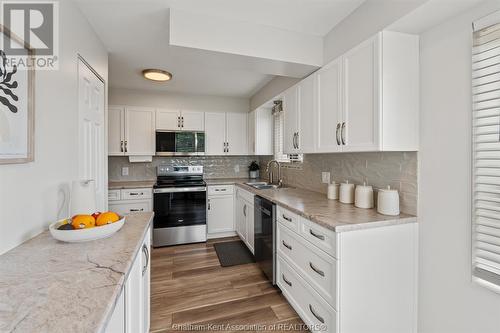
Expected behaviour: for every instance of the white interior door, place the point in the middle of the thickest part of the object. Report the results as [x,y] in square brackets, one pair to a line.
[168,120]
[92,155]
[215,133]
[361,101]
[116,122]
[236,133]
[193,121]
[139,131]
[329,109]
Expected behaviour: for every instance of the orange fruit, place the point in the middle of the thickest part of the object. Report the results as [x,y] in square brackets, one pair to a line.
[106,218]
[83,221]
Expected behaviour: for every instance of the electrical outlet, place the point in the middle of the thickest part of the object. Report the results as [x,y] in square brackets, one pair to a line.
[236,168]
[124,171]
[325,177]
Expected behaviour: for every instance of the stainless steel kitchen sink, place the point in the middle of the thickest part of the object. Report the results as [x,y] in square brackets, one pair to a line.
[263,185]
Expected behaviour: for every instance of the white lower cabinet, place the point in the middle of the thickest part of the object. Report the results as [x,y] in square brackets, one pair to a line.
[356,281]
[132,310]
[220,205]
[128,201]
[244,217]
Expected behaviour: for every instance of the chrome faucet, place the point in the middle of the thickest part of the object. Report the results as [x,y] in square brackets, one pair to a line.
[270,173]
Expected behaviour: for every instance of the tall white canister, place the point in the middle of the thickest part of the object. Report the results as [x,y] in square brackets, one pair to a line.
[83,197]
[346,193]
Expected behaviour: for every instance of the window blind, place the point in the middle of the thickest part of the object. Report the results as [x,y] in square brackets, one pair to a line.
[486,154]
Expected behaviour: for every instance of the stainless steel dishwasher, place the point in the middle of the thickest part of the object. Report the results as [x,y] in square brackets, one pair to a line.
[265,236]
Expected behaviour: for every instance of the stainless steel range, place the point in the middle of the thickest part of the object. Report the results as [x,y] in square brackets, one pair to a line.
[180,206]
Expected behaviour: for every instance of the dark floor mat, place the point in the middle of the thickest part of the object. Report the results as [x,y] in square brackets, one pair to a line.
[233,253]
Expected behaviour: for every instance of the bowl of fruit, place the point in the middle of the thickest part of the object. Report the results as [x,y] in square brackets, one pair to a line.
[83,228]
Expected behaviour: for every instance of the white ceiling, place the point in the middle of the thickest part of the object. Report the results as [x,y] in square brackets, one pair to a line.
[135,32]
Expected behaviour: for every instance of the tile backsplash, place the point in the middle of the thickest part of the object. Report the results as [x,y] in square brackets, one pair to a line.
[397,169]
[214,166]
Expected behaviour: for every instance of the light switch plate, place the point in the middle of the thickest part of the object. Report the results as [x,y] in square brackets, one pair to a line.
[124,171]
[325,177]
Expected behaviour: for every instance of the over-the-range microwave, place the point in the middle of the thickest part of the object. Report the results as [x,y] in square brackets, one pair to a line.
[171,143]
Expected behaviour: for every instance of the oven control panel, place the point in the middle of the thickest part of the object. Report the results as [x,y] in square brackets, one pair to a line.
[164,170]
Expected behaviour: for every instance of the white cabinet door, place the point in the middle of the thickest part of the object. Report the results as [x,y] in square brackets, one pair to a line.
[291,114]
[134,298]
[306,114]
[193,121]
[116,323]
[250,225]
[146,281]
[215,133]
[116,121]
[361,97]
[263,135]
[240,217]
[218,219]
[168,120]
[329,108]
[124,207]
[236,133]
[251,133]
[139,131]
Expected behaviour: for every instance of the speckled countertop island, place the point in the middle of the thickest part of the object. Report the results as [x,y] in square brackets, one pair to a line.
[318,208]
[51,286]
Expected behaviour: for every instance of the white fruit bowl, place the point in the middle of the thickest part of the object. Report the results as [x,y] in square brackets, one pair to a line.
[85,235]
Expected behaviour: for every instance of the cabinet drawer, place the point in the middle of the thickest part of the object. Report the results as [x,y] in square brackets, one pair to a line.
[315,266]
[220,189]
[323,238]
[245,195]
[113,195]
[136,193]
[291,220]
[313,310]
[130,207]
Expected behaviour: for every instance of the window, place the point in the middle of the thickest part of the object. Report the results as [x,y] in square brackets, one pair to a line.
[279,155]
[486,152]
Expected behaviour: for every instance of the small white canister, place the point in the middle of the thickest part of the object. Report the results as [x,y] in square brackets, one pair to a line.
[388,201]
[333,191]
[346,193]
[363,196]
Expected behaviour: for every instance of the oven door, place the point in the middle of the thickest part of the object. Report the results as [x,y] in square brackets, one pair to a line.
[179,207]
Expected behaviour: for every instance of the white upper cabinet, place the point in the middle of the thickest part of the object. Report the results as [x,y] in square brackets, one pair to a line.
[236,133]
[306,115]
[175,120]
[226,133]
[131,131]
[215,133]
[168,120]
[192,121]
[116,131]
[139,131]
[361,117]
[291,126]
[329,107]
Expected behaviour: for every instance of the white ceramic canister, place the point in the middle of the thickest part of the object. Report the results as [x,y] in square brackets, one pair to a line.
[346,193]
[333,191]
[388,201]
[363,196]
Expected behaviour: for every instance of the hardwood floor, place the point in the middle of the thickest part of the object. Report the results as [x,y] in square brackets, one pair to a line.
[189,287]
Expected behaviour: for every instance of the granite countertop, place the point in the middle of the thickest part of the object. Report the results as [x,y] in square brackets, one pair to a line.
[118,185]
[51,286]
[318,208]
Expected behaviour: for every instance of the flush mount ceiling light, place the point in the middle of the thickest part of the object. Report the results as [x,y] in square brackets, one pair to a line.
[157,75]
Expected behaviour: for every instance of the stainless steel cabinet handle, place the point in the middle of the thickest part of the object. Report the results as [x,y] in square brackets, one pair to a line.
[121,146]
[320,272]
[228,147]
[342,133]
[126,148]
[337,134]
[293,140]
[209,204]
[286,245]
[182,122]
[316,235]
[137,210]
[245,210]
[289,219]
[145,250]
[321,319]
[285,279]
[135,193]
[297,140]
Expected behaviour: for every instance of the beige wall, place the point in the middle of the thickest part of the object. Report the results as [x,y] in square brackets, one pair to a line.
[31,195]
